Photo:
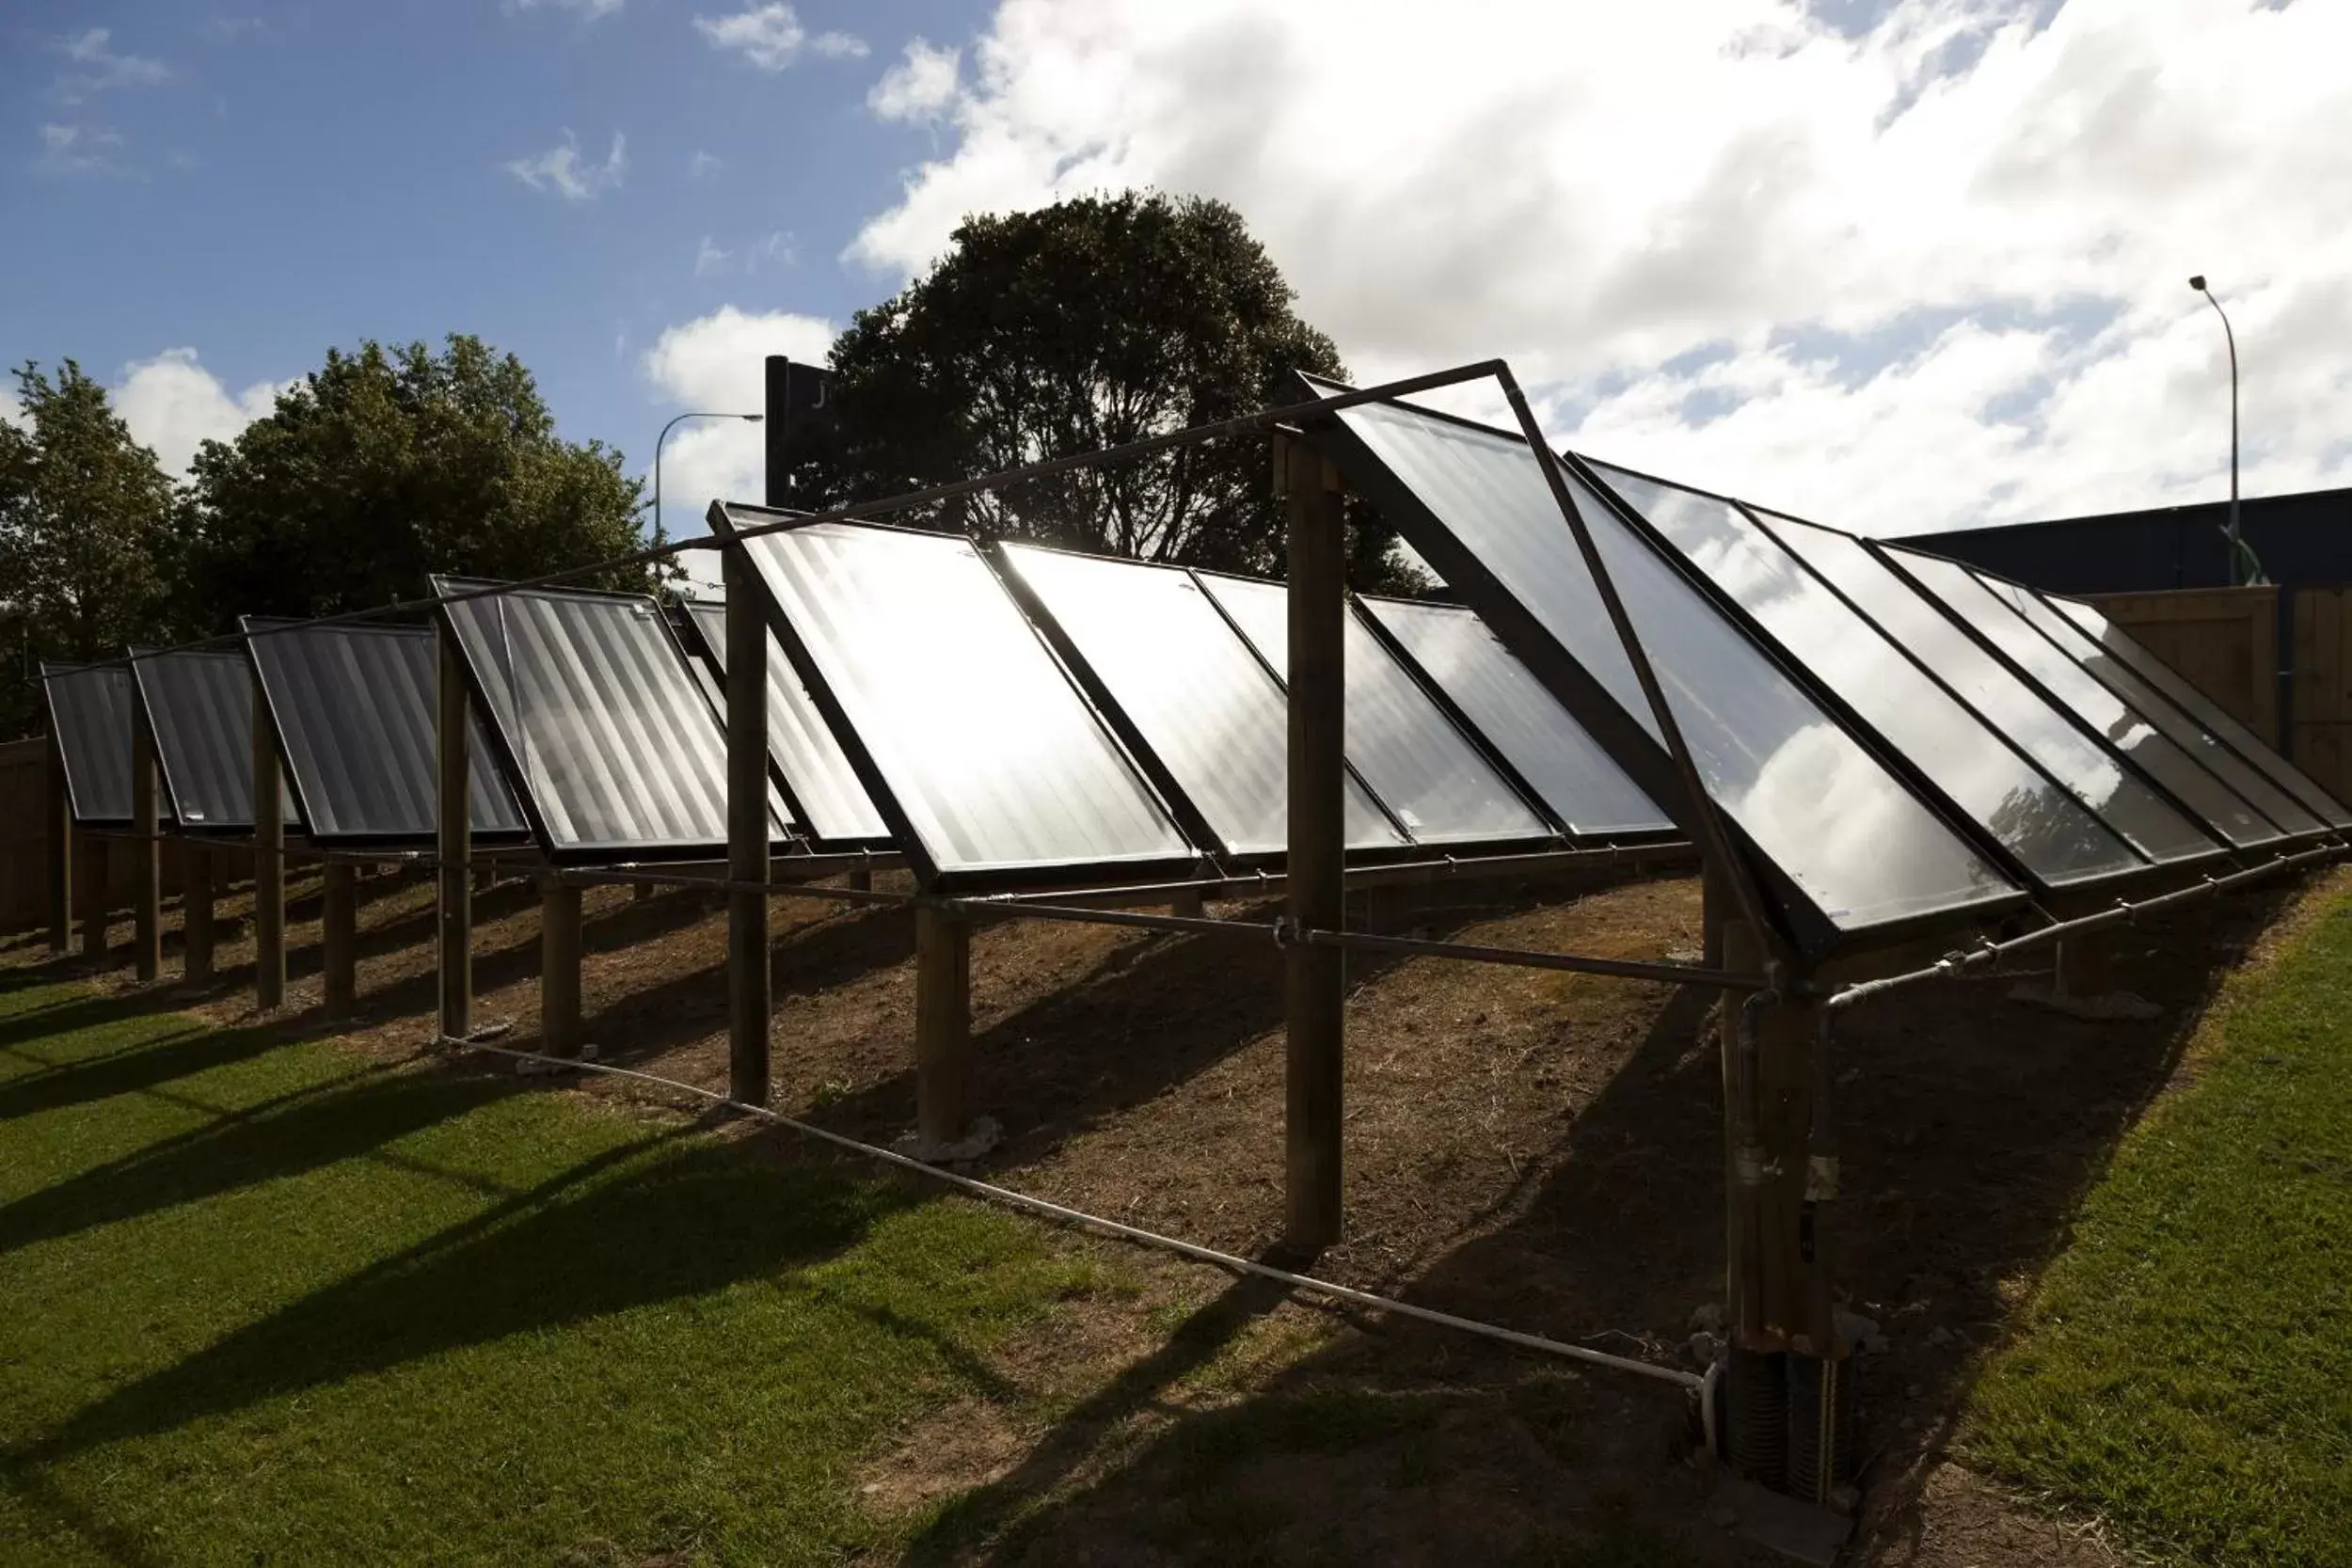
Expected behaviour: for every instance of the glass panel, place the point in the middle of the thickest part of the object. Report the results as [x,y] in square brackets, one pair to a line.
[2126,729]
[1216,721]
[1839,826]
[991,753]
[2256,788]
[1524,722]
[2010,705]
[2119,644]
[2046,829]
[355,710]
[806,752]
[1403,743]
[89,713]
[616,747]
[201,707]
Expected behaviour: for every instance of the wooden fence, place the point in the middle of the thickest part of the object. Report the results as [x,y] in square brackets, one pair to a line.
[26,820]
[2278,660]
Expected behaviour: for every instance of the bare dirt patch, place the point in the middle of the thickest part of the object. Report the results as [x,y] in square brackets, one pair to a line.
[1534,1149]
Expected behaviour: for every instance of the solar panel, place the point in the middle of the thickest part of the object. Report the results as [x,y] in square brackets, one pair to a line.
[614,750]
[815,769]
[354,708]
[2120,645]
[1521,720]
[1403,743]
[89,713]
[1200,700]
[2126,729]
[2010,706]
[2254,785]
[2044,829]
[1854,847]
[200,706]
[965,729]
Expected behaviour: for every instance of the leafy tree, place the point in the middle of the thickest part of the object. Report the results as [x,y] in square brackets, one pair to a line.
[388,463]
[88,546]
[1082,325]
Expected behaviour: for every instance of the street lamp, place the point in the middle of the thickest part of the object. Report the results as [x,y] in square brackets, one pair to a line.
[2238,545]
[747,418]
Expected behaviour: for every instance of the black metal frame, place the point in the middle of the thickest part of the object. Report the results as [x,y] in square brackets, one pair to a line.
[1850,717]
[602,852]
[142,713]
[1889,558]
[714,688]
[1597,711]
[1362,603]
[72,791]
[2260,763]
[490,837]
[929,875]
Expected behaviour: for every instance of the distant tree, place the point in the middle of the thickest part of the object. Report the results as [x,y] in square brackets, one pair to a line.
[1081,325]
[89,548]
[388,463]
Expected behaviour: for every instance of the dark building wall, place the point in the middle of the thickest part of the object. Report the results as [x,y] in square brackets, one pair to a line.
[2302,540]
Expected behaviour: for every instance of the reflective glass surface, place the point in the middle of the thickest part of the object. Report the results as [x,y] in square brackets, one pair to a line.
[2008,704]
[1843,830]
[201,707]
[2122,646]
[1957,589]
[616,749]
[991,753]
[1216,721]
[1520,720]
[2254,786]
[806,752]
[1402,742]
[89,713]
[2046,829]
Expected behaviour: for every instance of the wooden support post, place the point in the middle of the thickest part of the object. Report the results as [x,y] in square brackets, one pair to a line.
[60,855]
[1314,1009]
[942,1026]
[90,863]
[862,881]
[146,860]
[1189,905]
[559,969]
[454,840]
[339,939]
[747,831]
[2083,966]
[643,893]
[195,908]
[269,866]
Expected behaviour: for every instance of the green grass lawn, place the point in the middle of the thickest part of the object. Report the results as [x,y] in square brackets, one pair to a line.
[2187,1368]
[263,1303]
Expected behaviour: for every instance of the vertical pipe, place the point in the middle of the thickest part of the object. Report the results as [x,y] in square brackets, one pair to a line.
[91,859]
[748,996]
[60,855]
[454,833]
[340,938]
[147,849]
[1316,889]
[559,969]
[943,1025]
[269,867]
[195,908]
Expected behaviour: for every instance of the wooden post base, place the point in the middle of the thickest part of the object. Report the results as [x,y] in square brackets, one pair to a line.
[340,940]
[943,1025]
[559,969]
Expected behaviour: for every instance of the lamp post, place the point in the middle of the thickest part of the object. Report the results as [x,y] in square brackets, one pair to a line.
[747,418]
[2237,547]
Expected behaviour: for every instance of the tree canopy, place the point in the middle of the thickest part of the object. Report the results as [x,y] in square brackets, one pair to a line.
[388,463]
[1073,327]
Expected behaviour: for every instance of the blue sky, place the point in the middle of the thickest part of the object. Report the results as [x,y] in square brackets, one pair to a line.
[260,182]
[1898,264]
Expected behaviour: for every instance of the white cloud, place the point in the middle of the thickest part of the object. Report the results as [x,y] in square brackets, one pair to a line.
[772,37]
[100,67]
[587,10]
[717,363]
[70,149]
[710,258]
[560,169]
[173,403]
[921,85]
[703,166]
[1924,272]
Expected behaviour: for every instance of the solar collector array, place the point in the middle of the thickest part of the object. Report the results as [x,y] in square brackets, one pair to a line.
[199,703]
[90,716]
